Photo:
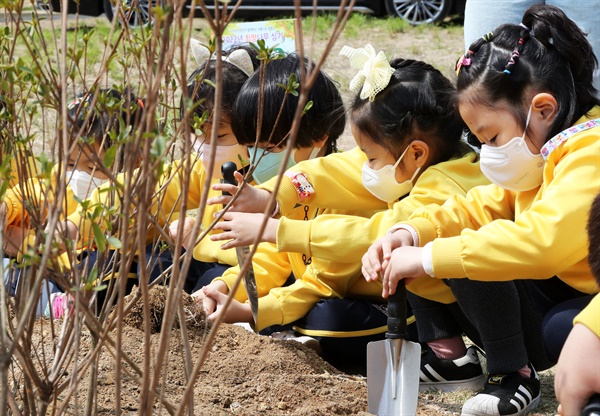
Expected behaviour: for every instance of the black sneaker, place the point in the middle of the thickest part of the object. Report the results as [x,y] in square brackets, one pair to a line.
[450,375]
[505,395]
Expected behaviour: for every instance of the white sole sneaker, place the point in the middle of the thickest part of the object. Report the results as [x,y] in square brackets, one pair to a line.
[475,383]
[505,395]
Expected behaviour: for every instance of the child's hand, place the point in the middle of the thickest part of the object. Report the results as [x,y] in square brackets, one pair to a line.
[376,259]
[209,304]
[242,228]
[13,239]
[405,263]
[251,199]
[64,230]
[236,312]
[186,239]
[575,380]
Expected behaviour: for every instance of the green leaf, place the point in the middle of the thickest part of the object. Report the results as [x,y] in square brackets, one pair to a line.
[307,107]
[115,242]
[100,287]
[109,156]
[93,275]
[99,237]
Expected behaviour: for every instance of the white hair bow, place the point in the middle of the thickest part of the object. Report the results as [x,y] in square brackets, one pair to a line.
[238,58]
[374,72]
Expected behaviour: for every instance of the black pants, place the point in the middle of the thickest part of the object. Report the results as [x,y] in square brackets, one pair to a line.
[489,313]
[344,327]
[106,266]
[557,304]
[506,317]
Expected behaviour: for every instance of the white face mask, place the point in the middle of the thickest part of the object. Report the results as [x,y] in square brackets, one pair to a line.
[83,184]
[512,166]
[223,154]
[382,183]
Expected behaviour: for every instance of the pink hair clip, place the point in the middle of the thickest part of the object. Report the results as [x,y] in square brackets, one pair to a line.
[463,61]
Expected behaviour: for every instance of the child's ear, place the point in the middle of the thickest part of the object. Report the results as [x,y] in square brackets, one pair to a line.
[322,142]
[419,152]
[545,106]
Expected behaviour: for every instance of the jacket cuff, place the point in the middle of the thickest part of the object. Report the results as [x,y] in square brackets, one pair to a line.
[589,316]
[229,280]
[425,230]
[287,197]
[293,236]
[447,259]
[84,226]
[12,208]
[269,312]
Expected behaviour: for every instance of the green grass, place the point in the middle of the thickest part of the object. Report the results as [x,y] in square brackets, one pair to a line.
[322,25]
[395,25]
[357,24]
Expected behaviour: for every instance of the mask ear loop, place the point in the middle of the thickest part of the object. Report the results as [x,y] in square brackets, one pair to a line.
[412,178]
[401,156]
[313,154]
[527,121]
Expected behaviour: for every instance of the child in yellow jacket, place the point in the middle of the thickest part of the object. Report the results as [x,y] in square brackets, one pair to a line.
[577,375]
[208,259]
[319,128]
[30,201]
[525,92]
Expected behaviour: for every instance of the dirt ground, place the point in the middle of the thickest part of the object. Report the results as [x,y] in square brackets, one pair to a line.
[244,374]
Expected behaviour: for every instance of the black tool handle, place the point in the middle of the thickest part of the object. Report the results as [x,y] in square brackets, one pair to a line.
[396,310]
[593,406]
[227,170]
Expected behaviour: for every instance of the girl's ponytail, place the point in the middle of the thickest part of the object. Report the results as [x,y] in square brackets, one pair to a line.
[554,30]
[547,52]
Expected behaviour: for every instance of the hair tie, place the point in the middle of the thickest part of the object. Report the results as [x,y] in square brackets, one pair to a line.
[74,103]
[374,72]
[238,58]
[488,37]
[462,61]
[529,31]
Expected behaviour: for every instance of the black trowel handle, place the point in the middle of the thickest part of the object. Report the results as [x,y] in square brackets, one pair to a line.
[227,170]
[396,310]
[593,406]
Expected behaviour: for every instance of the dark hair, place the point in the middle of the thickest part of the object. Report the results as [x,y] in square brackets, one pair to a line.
[112,110]
[202,92]
[326,117]
[593,229]
[546,53]
[416,104]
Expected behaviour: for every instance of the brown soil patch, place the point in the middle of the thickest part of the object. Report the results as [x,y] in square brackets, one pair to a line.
[244,373]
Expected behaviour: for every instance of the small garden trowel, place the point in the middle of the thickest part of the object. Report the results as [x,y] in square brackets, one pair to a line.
[393,365]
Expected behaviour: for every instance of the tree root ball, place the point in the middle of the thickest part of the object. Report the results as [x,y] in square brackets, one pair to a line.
[194,315]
